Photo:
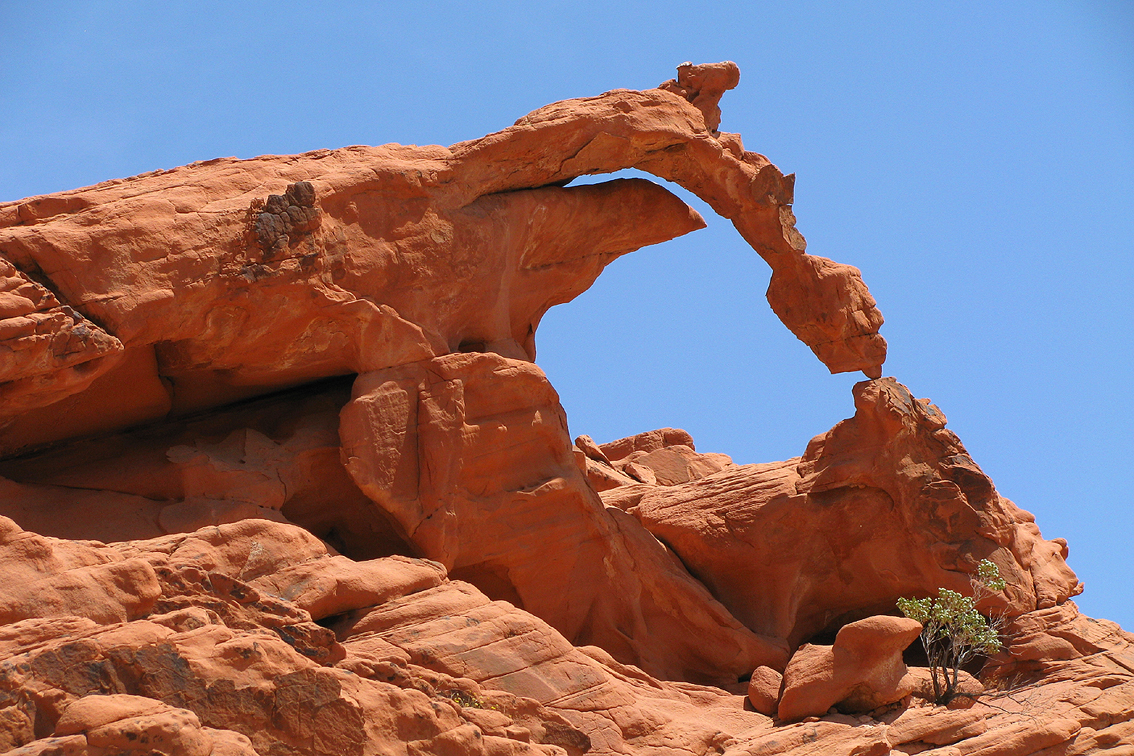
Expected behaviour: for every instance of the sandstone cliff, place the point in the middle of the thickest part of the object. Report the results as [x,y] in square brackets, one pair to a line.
[278,474]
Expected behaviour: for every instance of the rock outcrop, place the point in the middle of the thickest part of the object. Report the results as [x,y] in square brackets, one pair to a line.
[278,475]
[886,504]
[367,258]
[470,454]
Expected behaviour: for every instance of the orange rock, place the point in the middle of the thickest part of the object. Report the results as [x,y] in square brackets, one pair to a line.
[824,328]
[1040,639]
[465,247]
[420,663]
[933,726]
[587,445]
[953,498]
[887,504]
[47,577]
[78,514]
[661,457]
[604,476]
[647,442]
[1022,738]
[128,724]
[456,630]
[703,85]
[819,738]
[470,454]
[226,672]
[52,351]
[764,690]
[276,458]
[920,682]
[862,671]
[335,585]
[155,597]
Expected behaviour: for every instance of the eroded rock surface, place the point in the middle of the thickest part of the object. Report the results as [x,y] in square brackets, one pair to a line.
[886,504]
[278,475]
[470,454]
[384,256]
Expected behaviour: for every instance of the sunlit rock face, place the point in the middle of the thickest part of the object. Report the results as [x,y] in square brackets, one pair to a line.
[278,474]
[886,504]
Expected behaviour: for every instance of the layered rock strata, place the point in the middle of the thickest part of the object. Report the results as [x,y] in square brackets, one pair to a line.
[252,637]
[278,475]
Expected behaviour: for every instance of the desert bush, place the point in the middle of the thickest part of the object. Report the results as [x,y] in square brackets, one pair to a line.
[953,631]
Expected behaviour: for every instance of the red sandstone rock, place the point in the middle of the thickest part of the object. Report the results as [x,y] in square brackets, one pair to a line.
[469,453]
[226,670]
[601,474]
[1041,639]
[862,671]
[645,443]
[143,484]
[412,659]
[933,726]
[199,621]
[133,724]
[455,630]
[703,86]
[954,498]
[465,247]
[230,548]
[51,351]
[604,476]
[920,682]
[50,578]
[326,587]
[764,690]
[887,504]
[664,457]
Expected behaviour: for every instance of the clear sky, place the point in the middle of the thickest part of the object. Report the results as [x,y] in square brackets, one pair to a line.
[975,160]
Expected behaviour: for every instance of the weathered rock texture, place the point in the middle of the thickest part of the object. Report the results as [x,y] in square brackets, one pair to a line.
[367,258]
[471,456]
[279,476]
[886,504]
[861,672]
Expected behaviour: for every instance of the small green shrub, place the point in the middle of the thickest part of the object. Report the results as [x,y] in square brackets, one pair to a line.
[953,631]
[468,700]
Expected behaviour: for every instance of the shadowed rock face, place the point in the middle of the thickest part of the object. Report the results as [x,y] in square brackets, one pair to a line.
[279,476]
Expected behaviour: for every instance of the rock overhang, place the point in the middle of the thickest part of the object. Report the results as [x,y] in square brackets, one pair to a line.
[230,278]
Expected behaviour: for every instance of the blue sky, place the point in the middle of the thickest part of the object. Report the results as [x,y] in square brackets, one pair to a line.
[975,160]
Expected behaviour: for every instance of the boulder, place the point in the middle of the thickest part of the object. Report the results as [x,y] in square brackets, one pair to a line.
[862,671]
[764,690]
